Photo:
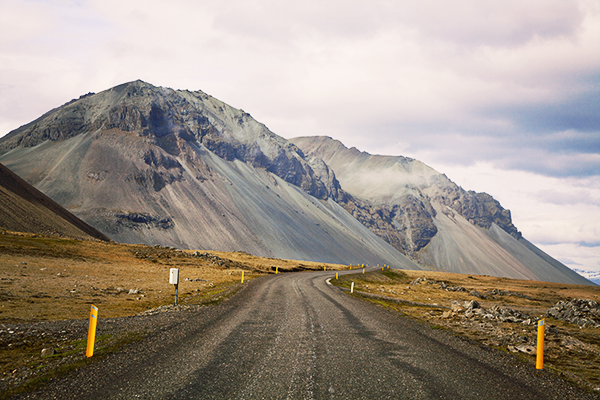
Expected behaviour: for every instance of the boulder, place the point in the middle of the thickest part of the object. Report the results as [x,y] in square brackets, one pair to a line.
[470,305]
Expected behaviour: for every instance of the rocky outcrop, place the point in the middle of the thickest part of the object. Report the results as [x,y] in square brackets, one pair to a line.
[480,209]
[407,226]
[378,218]
[583,312]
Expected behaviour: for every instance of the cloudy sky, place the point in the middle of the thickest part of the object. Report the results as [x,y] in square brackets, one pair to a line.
[502,96]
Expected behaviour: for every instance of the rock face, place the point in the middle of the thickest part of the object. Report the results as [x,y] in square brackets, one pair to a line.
[429,218]
[152,165]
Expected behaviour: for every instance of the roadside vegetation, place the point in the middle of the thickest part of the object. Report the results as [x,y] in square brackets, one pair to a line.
[505,316]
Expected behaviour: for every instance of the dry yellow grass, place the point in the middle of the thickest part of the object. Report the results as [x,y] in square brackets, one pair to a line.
[543,294]
[47,278]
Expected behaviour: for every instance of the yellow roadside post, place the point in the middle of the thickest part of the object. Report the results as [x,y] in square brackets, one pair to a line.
[276,270]
[363,270]
[92,331]
[539,360]
[324,268]
[242,276]
[336,275]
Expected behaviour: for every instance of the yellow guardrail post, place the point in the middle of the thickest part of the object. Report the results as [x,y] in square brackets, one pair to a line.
[336,275]
[276,270]
[539,359]
[92,331]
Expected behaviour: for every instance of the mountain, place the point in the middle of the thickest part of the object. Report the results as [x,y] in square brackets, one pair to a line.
[23,208]
[152,165]
[429,218]
[146,164]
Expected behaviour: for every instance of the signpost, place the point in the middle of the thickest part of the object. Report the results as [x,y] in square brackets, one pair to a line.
[174,280]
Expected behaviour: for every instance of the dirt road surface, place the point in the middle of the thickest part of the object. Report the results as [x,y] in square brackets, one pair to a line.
[293,336]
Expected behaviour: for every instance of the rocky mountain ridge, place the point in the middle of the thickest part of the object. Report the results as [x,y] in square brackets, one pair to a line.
[168,119]
[413,204]
[153,165]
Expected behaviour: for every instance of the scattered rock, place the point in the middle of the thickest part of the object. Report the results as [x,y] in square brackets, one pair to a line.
[583,312]
[443,285]
[496,292]
[475,293]
[456,307]
[527,349]
[49,351]
[470,305]
[524,348]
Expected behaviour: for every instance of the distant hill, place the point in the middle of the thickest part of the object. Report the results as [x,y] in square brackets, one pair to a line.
[23,208]
[146,164]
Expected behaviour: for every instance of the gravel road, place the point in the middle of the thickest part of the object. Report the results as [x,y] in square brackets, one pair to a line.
[293,336]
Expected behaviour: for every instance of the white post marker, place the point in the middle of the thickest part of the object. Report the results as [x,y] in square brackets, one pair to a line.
[352,288]
[174,280]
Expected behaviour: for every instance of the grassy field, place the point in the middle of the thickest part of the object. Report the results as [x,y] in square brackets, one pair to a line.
[572,351]
[47,278]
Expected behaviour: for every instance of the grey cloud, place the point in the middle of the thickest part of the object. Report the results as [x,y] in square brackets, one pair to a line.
[579,112]
[589,244]
[557,154]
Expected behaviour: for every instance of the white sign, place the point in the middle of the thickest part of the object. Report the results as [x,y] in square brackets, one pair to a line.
[174,276]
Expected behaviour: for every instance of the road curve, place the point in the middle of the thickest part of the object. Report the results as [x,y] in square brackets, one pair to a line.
[292,336]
